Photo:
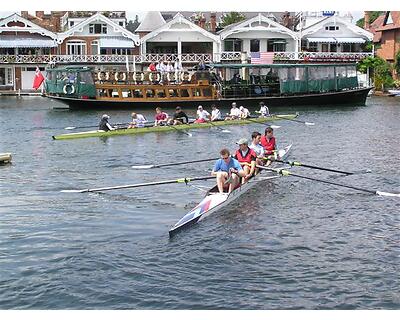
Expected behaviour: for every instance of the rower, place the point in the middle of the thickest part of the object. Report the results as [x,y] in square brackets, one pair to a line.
[138,120]
[247,159]
[244,113]
[264,111]
[234,113]
[257,147]
[202,115]
[161,117]
[215,113]
[179,117]
[268,142]
[227,170]
[104,125]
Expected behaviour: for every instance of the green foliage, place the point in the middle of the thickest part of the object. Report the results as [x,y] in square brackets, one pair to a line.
[232,17]
[372,17]
[397,63]
[380,71]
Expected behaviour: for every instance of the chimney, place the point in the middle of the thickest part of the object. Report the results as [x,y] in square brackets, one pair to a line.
[366,20]
[24,14]
[202,22]
[213,22]
[39,14]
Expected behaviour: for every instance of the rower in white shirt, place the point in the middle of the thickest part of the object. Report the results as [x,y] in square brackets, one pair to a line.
[264,111]
[257,147]
[215,113]
[234,113]
[244,112]
[138,121]
[202,115]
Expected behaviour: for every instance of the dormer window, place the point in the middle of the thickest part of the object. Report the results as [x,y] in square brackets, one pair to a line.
[71,24]
[331,28]
[97,28]
[388,19]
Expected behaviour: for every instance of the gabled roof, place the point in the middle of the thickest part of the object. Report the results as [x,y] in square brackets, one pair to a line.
[254,24]
[377,23]
[179,18]
[336,19]
[152,21]
[29,26]
[391,21]
[98,17]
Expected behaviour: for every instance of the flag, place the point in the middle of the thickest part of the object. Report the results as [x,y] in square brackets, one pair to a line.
[37,81]
[262,57]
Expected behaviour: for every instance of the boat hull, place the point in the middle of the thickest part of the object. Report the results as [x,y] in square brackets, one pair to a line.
[5,158]
[354,96]
[100,133]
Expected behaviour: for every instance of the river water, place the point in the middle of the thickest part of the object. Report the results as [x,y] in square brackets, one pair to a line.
[288,244]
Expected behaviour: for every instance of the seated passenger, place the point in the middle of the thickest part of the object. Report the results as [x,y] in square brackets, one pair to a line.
[179,117]
[247,159]
[161,118]
[215,113]
[244,113]
[138,121]
[264,111]
[104,125]
[268,142]
[202,115]
[234,113]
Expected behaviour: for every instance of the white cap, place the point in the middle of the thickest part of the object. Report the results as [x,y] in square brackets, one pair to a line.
[105,116]
[241,108]
[243,141]
[233,104]
[200,107]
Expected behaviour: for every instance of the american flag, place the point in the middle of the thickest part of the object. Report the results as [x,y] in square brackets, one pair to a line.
[262,57]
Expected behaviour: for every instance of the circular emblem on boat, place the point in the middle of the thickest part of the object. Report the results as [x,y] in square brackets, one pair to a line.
[186,76]
[120,76]
[169,76]
[69,89]
[102,75]
[140,75]
[151,76]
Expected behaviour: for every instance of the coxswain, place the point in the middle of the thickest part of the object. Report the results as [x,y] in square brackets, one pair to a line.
[161,118]
[179,117]
[257,147]
[264,111]
[247,158]
[215,113]
[234,113]
[268,142]
[103,124]
[227,170]
[202,115]
[138,120]
[244,113]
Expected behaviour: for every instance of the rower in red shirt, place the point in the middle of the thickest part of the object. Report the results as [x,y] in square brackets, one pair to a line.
[247,159]
[268,142]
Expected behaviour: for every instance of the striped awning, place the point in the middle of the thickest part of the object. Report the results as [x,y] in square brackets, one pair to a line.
[116,43]
[350,40]
[26,43]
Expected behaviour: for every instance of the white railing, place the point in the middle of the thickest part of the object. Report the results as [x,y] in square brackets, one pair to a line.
[185,58]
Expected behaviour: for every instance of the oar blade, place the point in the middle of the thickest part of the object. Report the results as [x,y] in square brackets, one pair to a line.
[388,194]
[75,191]
[150,166]
[70,128]
[226,131]
[309,123]
[275,127]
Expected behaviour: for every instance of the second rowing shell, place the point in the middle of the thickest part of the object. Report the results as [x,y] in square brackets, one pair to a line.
[124,131]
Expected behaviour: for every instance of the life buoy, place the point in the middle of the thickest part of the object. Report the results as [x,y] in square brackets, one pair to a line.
[117,74]
[69,89]
[151,74]
[102,75]
[186,76]
[135,76]
[169,76]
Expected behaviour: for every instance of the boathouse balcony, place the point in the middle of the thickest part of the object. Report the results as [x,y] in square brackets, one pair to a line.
[190,58]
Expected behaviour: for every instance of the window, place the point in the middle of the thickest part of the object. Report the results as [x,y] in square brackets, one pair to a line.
[332,28]
[254,45]
[6,76]
[71,24]
[313,46]
[98,28]
[95,47]
[276,45]
[333,47]
[76,47]
[120,51]
[233,45]
[121,23]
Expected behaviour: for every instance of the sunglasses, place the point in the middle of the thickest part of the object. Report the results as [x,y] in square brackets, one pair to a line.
[225,158]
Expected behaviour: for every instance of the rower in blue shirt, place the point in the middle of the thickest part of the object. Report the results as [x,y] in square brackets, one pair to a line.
[227,170]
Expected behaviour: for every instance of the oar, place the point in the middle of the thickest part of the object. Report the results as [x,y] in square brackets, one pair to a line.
[288,173]
[181,130]
[264,123]
[219,128]
[86,127]
[299,164]
[146,184]
[304,122]
[151,166]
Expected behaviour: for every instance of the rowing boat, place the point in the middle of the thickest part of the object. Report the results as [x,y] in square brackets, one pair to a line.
[147,129]
[215,201]
[5,158]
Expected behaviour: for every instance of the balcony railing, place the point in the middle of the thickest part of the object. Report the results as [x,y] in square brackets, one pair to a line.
[185,58]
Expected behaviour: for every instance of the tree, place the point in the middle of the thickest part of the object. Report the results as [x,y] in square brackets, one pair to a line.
[397,63]
[372,17]
[381,71]
[133,25]
[231,17]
